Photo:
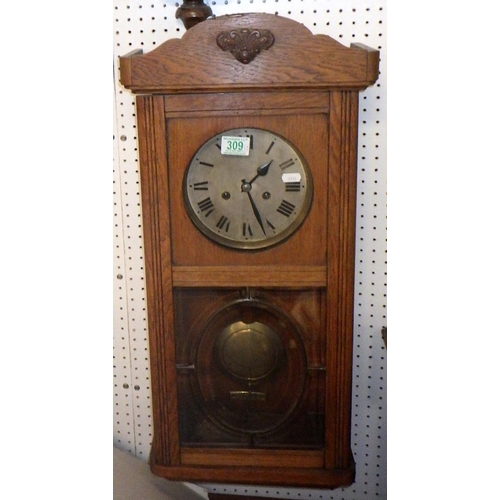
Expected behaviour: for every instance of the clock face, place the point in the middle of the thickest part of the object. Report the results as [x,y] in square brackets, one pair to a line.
[247,188]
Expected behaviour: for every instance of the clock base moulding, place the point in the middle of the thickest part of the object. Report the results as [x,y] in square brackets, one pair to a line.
[278,477]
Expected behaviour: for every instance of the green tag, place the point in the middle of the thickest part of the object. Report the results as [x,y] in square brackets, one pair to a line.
[237,146]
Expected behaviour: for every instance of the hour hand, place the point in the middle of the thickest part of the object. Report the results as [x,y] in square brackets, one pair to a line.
[262,170]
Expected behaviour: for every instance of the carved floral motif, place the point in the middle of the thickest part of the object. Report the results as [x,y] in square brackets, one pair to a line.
[245,43]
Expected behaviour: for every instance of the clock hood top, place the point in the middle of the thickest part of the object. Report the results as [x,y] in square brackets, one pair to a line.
[297,59]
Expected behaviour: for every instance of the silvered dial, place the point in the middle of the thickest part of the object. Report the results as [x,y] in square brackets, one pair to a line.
[247,188]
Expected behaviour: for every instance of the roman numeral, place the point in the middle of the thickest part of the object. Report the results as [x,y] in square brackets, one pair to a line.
[223,223]
[251,141]
[286,208]
[207,206]
[292,186]
[270,225]
[269,148]
[247,230]
[205,164]
[200,186]
[287,164]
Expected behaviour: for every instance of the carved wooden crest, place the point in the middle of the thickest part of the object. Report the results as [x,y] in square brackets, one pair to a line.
[245,43]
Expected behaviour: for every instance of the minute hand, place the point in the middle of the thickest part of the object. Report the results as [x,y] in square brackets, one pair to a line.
[256,212]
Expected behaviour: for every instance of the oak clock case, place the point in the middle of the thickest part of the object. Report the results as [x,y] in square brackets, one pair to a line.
[247,130]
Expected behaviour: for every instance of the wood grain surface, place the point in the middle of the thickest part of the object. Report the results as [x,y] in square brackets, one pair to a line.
[297,60]
[306,89]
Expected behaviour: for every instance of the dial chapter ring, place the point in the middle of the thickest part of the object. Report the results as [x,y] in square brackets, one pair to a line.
[248,202]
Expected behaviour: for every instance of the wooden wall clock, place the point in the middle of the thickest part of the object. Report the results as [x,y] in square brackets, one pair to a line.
[247,130]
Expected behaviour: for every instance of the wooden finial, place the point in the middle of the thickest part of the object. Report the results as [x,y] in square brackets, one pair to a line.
[192,12]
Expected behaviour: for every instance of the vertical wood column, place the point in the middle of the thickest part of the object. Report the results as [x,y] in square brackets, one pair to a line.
[341,257]
[154,194]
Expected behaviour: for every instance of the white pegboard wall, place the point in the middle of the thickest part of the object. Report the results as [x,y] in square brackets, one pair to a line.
[133,425]
[144,25]
[124,435]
